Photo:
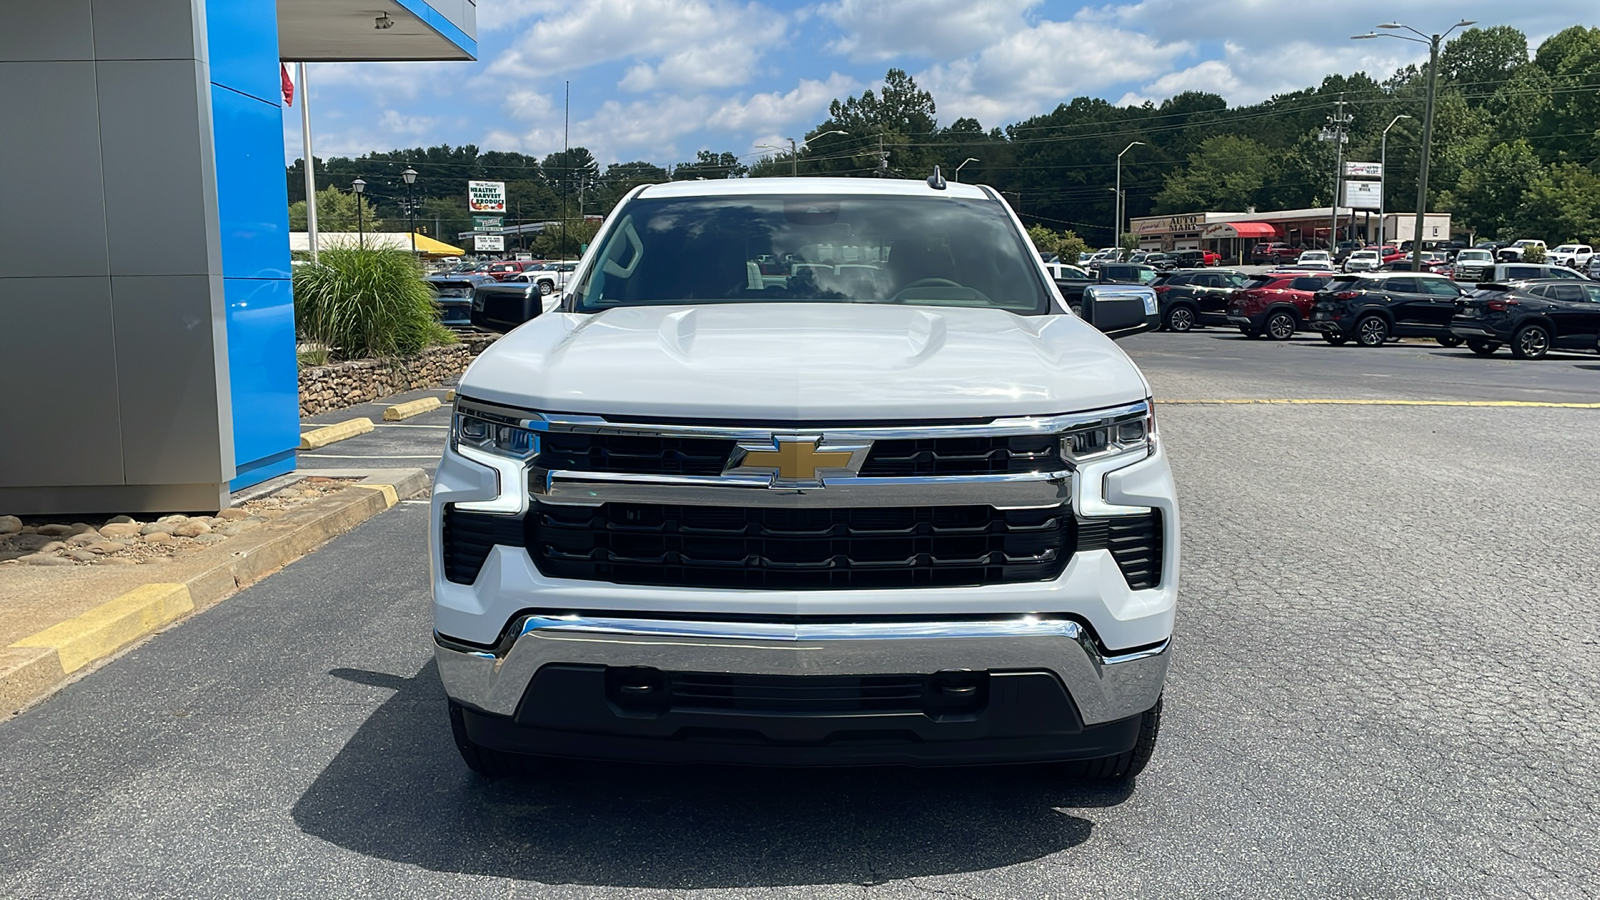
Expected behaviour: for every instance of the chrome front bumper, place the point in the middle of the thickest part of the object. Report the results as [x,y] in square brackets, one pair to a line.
[1105,688]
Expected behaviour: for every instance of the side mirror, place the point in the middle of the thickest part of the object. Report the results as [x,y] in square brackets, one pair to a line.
[1121,310]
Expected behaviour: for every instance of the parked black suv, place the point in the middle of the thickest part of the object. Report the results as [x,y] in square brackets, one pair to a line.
[1533,318]
[1190,298]
[1374,307]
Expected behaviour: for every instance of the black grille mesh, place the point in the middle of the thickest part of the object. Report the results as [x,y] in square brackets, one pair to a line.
[468,537]
[691,546]
[639,455]
[965,456]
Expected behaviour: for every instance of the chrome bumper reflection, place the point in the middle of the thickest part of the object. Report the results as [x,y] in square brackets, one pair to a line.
[1104,687]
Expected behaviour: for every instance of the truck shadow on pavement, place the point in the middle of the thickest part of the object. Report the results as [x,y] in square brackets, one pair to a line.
[398,791]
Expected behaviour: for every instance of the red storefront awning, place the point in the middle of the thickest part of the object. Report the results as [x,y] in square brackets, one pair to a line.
[1239,230]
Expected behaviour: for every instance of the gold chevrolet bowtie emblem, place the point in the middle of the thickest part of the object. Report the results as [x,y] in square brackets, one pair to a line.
[798,458]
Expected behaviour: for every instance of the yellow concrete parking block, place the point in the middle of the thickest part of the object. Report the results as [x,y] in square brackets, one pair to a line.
[318,438]
[449,396]
[390,495]
[411,408]
[111,626]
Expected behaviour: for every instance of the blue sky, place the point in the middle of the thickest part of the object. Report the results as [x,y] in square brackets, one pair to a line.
[659,79]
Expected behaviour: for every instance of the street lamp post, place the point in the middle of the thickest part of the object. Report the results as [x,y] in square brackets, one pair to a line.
[410,178]
[1383,177]
[360,187]
[1433,41]
[963,165]
[794,150]
[1116,232]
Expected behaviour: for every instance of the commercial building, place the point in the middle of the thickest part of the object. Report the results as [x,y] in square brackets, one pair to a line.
[1232,234]
[151,357]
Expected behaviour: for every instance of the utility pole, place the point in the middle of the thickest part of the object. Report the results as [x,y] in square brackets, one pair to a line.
[566,170]
[1335,131]
[883,159]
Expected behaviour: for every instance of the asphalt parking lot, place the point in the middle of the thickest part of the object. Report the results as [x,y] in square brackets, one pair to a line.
[1385,685]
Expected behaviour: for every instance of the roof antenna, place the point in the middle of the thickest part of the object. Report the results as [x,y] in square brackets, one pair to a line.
[936,181]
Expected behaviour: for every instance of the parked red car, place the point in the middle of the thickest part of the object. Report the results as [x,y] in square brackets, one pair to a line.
[1276,304]
[506,268]
[1273,254]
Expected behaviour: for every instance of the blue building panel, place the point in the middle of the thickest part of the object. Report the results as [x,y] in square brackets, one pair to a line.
[247,132]
[264,375]
[439,23]
[242,41]
[251,207]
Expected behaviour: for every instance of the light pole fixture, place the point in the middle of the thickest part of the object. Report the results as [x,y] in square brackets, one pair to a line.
[1116,232]
[409,176]
[794,150]
[963,165]
[1383,176]
[1433,41]
[360,187]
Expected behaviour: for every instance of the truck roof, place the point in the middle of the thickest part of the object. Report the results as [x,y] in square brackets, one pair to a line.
[736,187]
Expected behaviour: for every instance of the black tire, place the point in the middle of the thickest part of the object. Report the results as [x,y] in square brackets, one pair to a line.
[1179,319]
[1372,331]
[1482,347]
[1338,340]
[1249,332]
[1449,340]
[546,288]
[484,760]
[1530,342]
[1129,763]
[1281,325]
[1077,309]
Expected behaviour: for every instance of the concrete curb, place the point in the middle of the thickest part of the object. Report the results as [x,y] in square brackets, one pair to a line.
[37,665]
[406,410]
[317,438]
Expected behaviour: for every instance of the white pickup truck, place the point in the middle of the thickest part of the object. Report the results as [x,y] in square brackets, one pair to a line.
[1515,252]
[906,509]
[1573,256]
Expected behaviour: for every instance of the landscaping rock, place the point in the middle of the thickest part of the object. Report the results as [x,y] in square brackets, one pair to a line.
[10,524]
[85,538]
[116,530]
[28,542]
[53,546]
[44,559]
[107,546]
[192,529]
[208,539]
[157,528]
[54,530]
[233,515]
[158,537]
[120,520]
[83,556]
[173,520]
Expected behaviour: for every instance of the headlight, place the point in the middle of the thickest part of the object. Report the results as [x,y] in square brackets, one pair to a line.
[492,433]
[1131,435]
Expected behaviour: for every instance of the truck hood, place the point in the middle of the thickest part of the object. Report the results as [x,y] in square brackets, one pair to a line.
[805,362]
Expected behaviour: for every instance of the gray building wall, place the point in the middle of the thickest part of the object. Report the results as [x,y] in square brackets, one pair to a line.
[112,324]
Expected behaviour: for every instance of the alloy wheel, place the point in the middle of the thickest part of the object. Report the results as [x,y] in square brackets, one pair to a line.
[1281,326]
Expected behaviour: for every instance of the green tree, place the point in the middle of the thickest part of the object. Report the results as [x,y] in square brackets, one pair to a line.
[1562,203]
[1227,172]
[1489,196]
[557,242]
[899,117]
[709,166]
[1480,60]
[336,211]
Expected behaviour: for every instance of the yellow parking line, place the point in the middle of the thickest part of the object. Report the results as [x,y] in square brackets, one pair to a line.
[1534,404]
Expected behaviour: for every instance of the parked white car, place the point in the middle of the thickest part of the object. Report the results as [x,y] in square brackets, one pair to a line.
[923,519]
[1363,261]
[1315,256]
[1573,256]
[1515,252]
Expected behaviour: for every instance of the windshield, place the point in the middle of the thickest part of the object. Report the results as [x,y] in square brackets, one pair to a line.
[1473,256]
[933,251]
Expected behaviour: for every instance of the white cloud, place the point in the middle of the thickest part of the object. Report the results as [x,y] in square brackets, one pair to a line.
[1032,70]
[675,45]
[878,30]
[803,106]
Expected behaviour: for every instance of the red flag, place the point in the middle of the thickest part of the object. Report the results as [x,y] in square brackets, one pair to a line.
[288,84]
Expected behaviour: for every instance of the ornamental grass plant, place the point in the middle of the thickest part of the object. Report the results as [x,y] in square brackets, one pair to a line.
[366,304]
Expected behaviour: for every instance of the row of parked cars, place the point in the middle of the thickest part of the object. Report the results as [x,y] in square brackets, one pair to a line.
[525,282]
[1529,309]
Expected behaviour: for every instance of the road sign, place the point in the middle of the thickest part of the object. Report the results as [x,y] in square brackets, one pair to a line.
[491,242]
[486,196]
[1363,170]
[484,223]
[1363,194]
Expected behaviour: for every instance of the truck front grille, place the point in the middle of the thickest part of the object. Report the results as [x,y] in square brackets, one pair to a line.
[634,454]
[997,455]
[777,549]
[467,538]
[808,695]
[1135,542]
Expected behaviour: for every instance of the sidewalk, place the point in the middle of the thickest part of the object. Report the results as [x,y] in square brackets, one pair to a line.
[59,621]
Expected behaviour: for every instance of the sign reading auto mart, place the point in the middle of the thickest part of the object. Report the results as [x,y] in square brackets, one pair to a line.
[1363,170]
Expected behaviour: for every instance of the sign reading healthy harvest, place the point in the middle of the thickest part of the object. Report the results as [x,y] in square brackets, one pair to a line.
[486,196]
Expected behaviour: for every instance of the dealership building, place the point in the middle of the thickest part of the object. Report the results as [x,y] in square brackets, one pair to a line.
[1232,234]
[151,354]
